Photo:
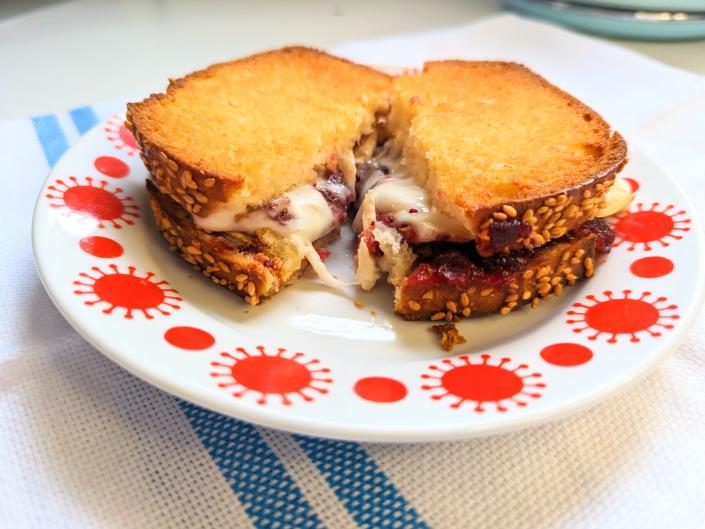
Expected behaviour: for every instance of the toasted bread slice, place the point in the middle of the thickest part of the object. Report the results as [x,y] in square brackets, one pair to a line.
[514,159]
[451,281]
[254,267]
[241,133]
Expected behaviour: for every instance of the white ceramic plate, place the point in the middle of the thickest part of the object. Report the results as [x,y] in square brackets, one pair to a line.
[310,361]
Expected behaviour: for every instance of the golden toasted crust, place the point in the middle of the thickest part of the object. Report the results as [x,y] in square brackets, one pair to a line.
[545,274]
[253,268]
[246,131]
[493,141]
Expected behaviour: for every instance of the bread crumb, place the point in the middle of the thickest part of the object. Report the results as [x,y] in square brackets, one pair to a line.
[449,335]
[373,312]
[359,304]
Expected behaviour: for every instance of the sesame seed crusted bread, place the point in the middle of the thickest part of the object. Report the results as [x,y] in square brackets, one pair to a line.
[502,283]
[513,158]
[244,132]
[254,267]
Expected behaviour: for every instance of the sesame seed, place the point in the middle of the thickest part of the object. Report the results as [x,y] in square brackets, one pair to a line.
[451,306]
[225,268]
[567,270]
[464,299]
[526,294]
[251,288]
[196,208]
[486,224]
[546,235]
[589,272]
[544,279]
[504,311]
[413,305]
[544,289]
[587,193]
[438,316]
[471,291]
[200,197]
[528,215]
[172,165]
[528,274]
[543,271]
[565,256]
[209,257]
[558,289]
[428,295]
[588,263]
[193,250]
[449,316]
[240,278]
[575,261]
[556,280]
[466,311]
[485,292]
[551,201]
[535,303]
[580,253]
[511,298]
[209,182]
[509,210]
[499,216]
[189,199]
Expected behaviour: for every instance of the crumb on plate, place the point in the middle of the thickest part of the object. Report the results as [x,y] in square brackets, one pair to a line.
[449,335]
[359,304]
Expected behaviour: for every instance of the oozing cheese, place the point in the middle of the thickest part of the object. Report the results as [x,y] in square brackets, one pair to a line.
[303,215]
[397,195]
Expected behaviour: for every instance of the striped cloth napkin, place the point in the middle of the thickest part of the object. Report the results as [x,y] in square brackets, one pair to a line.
[85,444]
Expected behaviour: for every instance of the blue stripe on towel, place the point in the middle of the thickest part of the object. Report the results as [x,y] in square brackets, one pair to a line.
[84,118]
[51,137]
[267,492]
[363,488]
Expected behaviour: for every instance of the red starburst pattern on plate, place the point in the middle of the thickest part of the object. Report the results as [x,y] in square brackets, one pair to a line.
[92,202]
[627,316]
[483,383]
[267,375]
[127,291]
[111,166]
[380,389]
[98,246]
[118,134]
[651,267]
[644,226]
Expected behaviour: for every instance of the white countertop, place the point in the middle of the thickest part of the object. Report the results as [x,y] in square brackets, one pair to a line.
[72,53]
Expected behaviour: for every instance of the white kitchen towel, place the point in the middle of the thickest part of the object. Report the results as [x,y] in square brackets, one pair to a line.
[85,444]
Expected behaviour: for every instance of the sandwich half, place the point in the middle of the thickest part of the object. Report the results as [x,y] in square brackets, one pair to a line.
[487,194]
[253,162]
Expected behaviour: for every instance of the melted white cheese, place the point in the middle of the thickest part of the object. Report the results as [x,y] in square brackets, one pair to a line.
[308,217]
[398,195]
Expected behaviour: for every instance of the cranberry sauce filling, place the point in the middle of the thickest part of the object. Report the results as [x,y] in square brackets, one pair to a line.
[460,264]
[338,195]
[503,233]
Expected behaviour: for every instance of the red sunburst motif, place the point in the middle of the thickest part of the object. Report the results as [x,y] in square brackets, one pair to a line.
[120,136]
[127,291]
[622,316]
[645,226]
[483,383]
[267,375]
[93,202]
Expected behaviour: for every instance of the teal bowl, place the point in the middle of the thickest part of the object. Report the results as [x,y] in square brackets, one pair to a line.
[632,19]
